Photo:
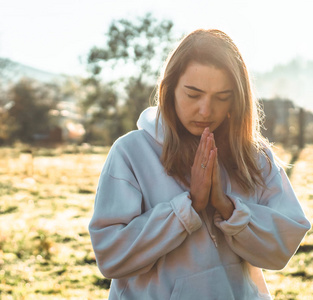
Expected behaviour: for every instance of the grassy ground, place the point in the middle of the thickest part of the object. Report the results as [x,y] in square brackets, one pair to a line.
[46,202]
[296,280]
[45,205]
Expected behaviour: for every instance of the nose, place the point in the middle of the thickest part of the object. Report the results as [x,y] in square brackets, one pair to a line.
[205,107]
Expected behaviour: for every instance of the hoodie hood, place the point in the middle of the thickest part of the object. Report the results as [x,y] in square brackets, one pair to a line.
[147,122]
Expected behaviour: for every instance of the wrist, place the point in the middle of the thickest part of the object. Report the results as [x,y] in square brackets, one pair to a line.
[198,207]
[225,207]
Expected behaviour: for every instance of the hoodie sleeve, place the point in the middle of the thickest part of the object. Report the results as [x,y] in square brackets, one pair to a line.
[128,241]
[266,233]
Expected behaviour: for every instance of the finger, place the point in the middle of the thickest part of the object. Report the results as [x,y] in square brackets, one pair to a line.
[205,154]
[207,150]
[215,167]
[196,159]
[204,137]
[215,159]
[214,146]
[201,147]
[210,167]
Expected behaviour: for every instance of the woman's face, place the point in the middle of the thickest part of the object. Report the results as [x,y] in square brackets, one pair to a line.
[203,97]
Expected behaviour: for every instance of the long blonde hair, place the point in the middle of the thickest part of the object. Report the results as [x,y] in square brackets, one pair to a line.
[238,138]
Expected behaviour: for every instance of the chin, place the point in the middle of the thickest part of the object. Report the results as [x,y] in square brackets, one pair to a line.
[197,132]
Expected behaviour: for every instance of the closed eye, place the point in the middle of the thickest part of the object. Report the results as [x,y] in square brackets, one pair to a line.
[224,98]
[225,95]
[193,96]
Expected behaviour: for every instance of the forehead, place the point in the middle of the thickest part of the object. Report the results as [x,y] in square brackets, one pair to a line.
[205,77]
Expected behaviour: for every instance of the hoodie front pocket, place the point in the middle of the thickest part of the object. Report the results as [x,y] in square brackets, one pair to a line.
[219,283]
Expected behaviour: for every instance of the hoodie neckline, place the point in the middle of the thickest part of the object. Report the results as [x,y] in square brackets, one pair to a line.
[148,122]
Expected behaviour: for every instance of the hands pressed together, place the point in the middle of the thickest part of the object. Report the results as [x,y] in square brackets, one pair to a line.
[205,184]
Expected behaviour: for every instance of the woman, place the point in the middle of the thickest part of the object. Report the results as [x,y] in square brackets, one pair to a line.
[192,205]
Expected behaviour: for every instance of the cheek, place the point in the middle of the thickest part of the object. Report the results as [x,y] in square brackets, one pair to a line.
[179,111]
[225,110]
[180,105]
[184,110]
[221,115]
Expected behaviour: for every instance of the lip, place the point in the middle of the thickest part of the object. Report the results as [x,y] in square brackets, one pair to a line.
[203,124]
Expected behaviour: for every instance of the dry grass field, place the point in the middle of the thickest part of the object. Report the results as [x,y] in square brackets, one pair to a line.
[46,202]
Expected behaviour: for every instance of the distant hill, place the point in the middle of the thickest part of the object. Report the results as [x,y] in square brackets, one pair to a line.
[14,71]
[293,81]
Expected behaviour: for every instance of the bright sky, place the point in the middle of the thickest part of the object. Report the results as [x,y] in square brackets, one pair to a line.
[52,34]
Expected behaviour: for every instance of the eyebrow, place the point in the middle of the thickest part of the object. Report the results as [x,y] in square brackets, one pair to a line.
[226,92]
[201,91]
[194,88]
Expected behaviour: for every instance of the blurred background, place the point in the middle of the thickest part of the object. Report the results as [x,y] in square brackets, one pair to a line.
[75,75]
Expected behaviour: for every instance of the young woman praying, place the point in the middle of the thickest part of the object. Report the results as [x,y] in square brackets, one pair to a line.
[193,205]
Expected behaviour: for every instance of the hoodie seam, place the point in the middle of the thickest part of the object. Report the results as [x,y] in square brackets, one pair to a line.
[122,179]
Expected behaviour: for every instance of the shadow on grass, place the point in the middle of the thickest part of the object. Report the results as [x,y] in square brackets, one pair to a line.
[102,282]
[303,275]
[305,249]
[89,260]
[8,210]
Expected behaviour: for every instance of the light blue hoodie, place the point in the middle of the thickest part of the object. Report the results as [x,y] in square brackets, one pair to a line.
[148,238]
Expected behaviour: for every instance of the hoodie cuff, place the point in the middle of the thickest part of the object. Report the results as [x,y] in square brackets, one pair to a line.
[237,222]
[183,209]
